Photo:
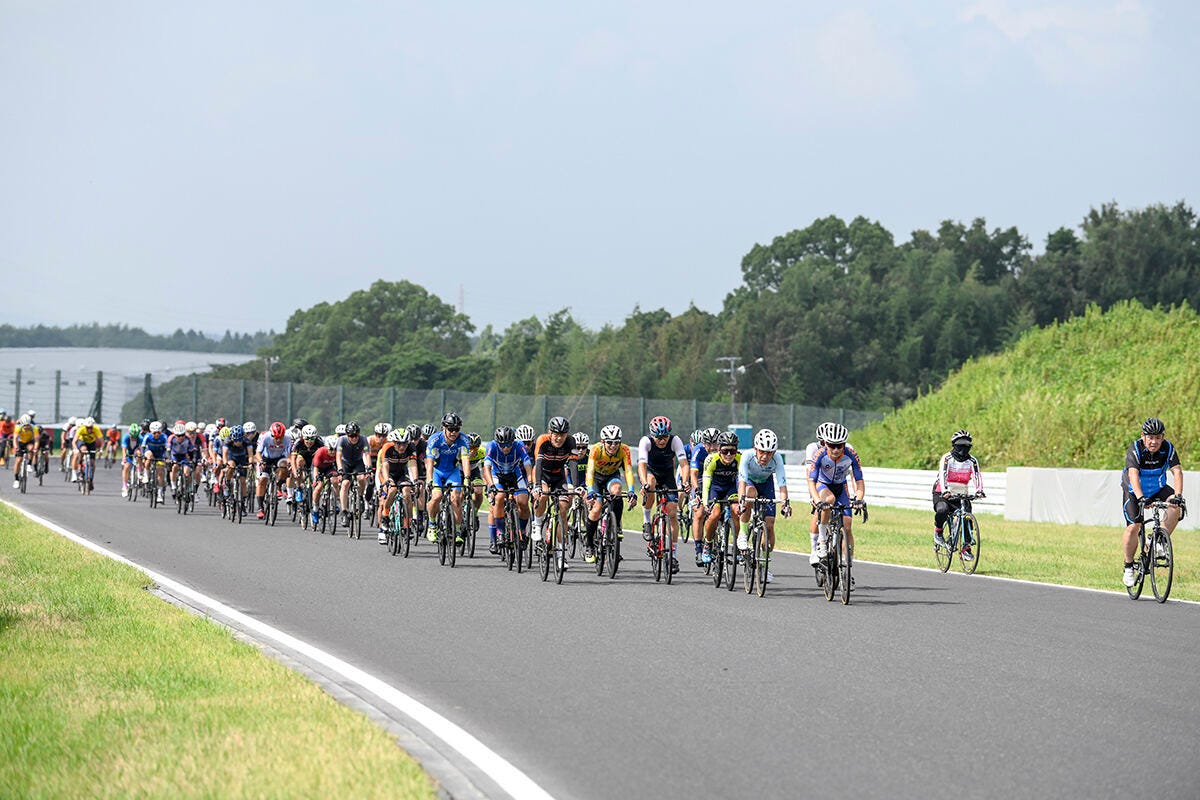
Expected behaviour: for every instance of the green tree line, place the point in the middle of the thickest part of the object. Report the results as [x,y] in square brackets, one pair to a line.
[97,335]
[839,313]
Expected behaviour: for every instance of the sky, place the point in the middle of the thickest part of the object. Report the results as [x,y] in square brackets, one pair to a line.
[219,165]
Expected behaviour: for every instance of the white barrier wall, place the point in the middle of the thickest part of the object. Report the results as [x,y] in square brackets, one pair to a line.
[1083,496]
[907,488]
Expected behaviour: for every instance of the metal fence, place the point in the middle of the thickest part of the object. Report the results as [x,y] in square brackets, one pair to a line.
[57,395]
[204,399]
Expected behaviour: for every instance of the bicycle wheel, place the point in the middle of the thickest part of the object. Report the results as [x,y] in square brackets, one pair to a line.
[656,547]
[471,533]
[844,575]
[731,560]
[831,565]
[613,544]
[970,536]
[1162,565]
[560,552]
[544,551]
[945,553]
[763,557]
[717,551]
[601,544]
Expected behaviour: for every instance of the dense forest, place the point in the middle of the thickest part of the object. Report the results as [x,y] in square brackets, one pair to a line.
[97,335]
[839,313]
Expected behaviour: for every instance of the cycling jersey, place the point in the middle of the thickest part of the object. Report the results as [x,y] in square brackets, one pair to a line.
[1152,467]
[811,450]
[272,449]
[114,435]
[827,470]
[698,457]
[352,453]
[7,426]
[155,444]
[130,444]
[550,463]
[374,445]
[954,473]
[601,465]
[394,459]
[751,471]
[721,475]
[88,436]
[446,455]
[238,453]
[510,463]
[324,461]
[181,448]
[661,460]
[306,451]
[26,437]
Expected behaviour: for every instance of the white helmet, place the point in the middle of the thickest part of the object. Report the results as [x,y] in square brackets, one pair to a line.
[610,433]
[340,430]
[31,414]
[89,422]
[525,432]
[190,427]
[156,426]
[835,433]
[309,432]
[179,429]
[71,421]
[582,440]
[766,440]
[210,430]
[331,442]
[398,435]
[249,427]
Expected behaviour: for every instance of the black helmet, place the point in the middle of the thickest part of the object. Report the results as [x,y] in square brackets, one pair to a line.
[352,428]
[727,439]
[414,432]
[299,422]
[1153,427]
[451,421]
[505,435]
[474,440]
[559,425]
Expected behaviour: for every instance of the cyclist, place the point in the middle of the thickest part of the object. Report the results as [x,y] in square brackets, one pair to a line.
[507,467]
[88,438]
[759,475]
[27,440]
[304,449]
[182,453]
[1144,480]
[395,472]
[833,467]
[554,468]
[351,457]
[476,453]
[420,491]
[810,455]
[46,447]
[154,451]
[956,471]
[7,427]
[658,454]
[131,445]
[719,482]
[706,443]
[527,436]
[324,470]
[113,435]
[603,476]
[238,455]
[67,445]
[447,461]
[375,443]
[582,443]
[274,447]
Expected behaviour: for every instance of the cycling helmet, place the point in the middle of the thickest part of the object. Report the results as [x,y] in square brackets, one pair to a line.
[398,436]
[610,433]
[835,433]
[156,427]
[277,430]
[179,429]
[210,430]
[582,440]
[381,429]
[135,430]
[559,425]
[727,439]
[31,414]
[70,421]
[525,433]
[224,432]
[451,421]
[237,433]
[330,442]
[823,430]
[1153,427]
[474,440]
[427,430]
[961,436]
[190,427]
[414,432]
[4,413]
[299,422]
[505,435]
[340,430]
[352,428]
[23,419]
[660,426]
[221,423]
[249,427]
[766,440]
[709,436]
[90,421]
[695,437]
[309,432]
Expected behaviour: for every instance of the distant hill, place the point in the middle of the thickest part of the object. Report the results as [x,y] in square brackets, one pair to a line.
[96,335]
[1071,394]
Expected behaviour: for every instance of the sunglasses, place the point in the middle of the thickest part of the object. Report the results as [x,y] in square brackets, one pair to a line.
[728,451]
[837,447]
[452,430]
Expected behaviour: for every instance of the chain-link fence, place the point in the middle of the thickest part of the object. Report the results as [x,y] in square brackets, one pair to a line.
[205,399]
[57,395]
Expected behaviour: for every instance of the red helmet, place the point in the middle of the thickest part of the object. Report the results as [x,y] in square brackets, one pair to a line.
[277,430]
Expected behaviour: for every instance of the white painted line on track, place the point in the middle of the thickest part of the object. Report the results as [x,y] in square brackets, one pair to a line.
[507,776]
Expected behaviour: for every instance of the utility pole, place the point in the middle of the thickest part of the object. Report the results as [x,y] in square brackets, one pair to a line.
[731,370]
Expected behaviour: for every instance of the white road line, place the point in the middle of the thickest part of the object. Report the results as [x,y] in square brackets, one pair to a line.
[508,777]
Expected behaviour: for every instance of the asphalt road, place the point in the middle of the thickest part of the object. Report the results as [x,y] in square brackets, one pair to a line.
[926,686]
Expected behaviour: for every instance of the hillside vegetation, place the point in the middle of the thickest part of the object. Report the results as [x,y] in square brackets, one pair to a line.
[1072,394]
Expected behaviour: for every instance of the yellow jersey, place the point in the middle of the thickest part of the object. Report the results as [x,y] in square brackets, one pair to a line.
[25,437]
[87,435]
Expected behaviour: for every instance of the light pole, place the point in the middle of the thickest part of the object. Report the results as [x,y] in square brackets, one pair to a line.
[267,363]
[733,370]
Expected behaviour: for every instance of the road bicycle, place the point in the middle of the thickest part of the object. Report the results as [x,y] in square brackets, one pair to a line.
[184,490]
[963,537]
[723,567]
[552,550]
[837,567]
[756,560]
[399,528]
[87,471]
[302,498]
[1155,556]
[450,533]
[509,542]
[662,559]
[577,526]
[354,508]
[234,493]
[157,481]
[271,498]
[608,536]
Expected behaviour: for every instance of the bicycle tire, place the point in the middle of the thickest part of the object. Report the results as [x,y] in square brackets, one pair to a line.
[601,544]
[945,553]
[471,533]
[731,561]
[544,554]
[763,557]
[613,556]
[656,556]
[1162,560]
[560,551]
[845,577]
[830,565]
[749,567]
[717,551]
[970,536]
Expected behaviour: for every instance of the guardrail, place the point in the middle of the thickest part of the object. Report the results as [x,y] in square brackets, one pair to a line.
[913,488]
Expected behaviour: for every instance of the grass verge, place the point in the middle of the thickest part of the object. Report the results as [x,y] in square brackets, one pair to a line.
[1076,555]
[107,691]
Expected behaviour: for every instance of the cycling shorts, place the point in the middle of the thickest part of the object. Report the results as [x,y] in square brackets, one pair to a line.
[513,482]
[602,484]
[1130,506]
[448,477]
[666,481]
[267,465]
[182,458]
[721,491]
[357,468]
[840,497]
[554,483]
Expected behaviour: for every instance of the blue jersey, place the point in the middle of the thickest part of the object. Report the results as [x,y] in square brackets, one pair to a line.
[130,444]
[501,463]
[751,471]
[699,454]
[237,452]
[1152,468]
[831,471]
[156,443]
[446,455]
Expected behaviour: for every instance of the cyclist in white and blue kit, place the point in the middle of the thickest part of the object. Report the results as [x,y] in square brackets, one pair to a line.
[833,468]
[1144,480]
[759,474]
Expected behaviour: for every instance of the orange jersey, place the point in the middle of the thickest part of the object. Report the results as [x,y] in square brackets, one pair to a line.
[7,427]
[114,435]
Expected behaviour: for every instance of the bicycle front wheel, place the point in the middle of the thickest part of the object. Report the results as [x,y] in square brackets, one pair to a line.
[847,580]
[750,566]
[970,536]
[763,557]
[1162,566]
[657,556]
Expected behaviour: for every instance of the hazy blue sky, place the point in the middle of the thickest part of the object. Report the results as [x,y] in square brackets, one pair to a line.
[236,161]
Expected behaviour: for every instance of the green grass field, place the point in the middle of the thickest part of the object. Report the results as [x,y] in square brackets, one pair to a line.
[1076,555]
[107,691]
